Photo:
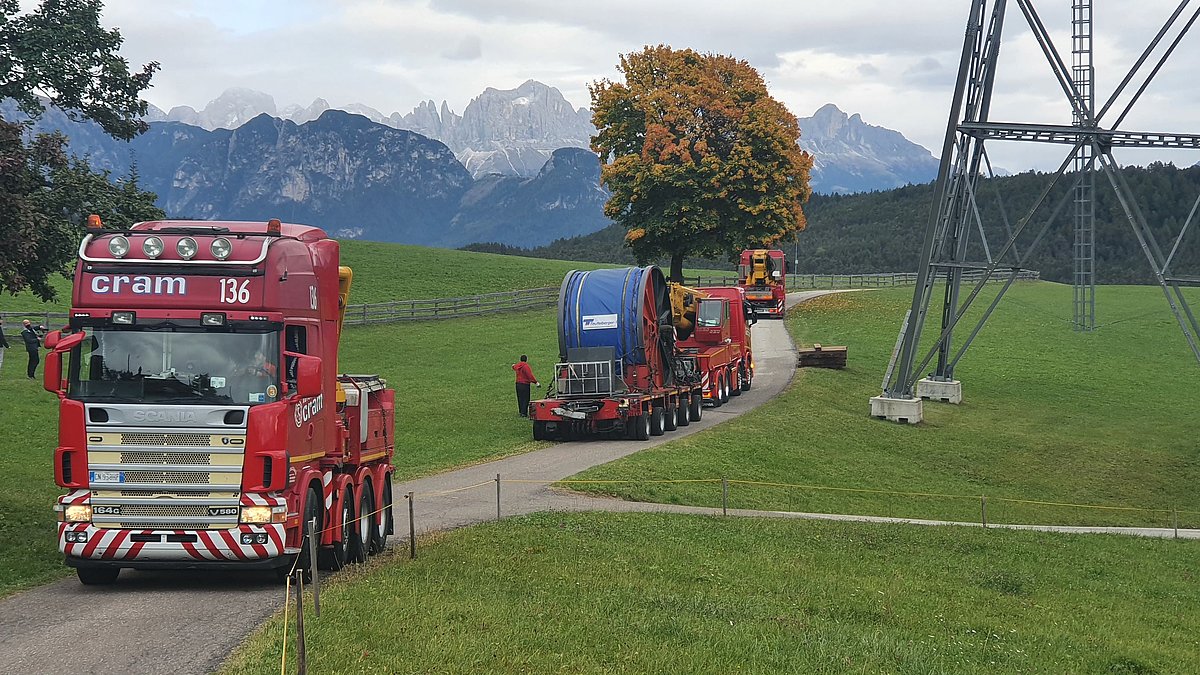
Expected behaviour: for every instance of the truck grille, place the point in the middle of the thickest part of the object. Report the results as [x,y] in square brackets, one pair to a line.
[166,458]
[150,482]
[185,439]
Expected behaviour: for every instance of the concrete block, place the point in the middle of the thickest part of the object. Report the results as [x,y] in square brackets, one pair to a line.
[947,391]
[903,410]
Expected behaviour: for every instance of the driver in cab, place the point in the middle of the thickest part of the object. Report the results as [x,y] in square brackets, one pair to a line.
[260,366]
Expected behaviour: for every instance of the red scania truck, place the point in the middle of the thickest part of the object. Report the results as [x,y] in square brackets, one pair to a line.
[202,421]
[763,274]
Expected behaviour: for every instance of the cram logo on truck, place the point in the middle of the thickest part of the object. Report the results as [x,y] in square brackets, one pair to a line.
[103,284]
[305,410]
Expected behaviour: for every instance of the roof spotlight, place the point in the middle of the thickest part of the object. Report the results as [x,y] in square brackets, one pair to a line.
[220,248]
[186,248]
[152,247]
[118,246]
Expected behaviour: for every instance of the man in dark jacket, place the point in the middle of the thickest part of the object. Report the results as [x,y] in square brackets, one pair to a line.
[33,342]
[524,379]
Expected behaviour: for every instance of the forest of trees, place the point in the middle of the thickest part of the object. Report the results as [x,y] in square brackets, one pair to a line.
[883,231]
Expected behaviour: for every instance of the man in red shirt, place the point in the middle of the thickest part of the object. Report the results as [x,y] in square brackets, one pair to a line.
[524,379]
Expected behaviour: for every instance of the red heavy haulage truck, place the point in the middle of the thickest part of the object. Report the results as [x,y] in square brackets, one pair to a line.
[202,421]
[640,356]
[720,343]
[763,274]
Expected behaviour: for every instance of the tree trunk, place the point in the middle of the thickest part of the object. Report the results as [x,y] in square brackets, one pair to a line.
[676,268]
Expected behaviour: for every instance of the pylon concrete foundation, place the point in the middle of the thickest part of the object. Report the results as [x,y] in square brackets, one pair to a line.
[946,391]
[902,410]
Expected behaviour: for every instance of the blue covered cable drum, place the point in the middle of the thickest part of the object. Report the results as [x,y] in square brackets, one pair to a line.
[627,308]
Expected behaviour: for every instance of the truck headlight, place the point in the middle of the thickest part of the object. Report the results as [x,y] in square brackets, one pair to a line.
[152,247]
[118,246]
[260,515]
[78,513]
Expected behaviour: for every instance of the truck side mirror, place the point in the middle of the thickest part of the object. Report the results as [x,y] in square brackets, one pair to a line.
[308,376]
[52,380]
[751,315]
[51,339]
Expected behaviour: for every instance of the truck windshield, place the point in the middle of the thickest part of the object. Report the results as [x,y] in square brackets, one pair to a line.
[709,313]
[176,366]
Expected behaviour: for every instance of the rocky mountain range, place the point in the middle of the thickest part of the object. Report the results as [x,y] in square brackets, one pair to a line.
[514,131]
[506,131]
[850,155]
[513,168]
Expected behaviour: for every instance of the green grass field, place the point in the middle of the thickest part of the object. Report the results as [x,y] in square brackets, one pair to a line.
[1049,415]
[641,593]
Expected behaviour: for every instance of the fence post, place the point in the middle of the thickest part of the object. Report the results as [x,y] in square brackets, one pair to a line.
[1175,520]
[983,509]
[301,656]
[497,496]
[312,561]
[724,496]
[412,529]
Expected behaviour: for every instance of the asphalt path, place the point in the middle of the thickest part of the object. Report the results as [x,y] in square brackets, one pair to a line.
[188,622]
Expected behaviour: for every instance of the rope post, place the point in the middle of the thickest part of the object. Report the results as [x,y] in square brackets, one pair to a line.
[1175,520]
[724,496]
[497,497]
[412,529]
[301,655]
[312,562]
[983,509]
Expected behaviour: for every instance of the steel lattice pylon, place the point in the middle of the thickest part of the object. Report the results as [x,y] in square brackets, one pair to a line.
[956,216]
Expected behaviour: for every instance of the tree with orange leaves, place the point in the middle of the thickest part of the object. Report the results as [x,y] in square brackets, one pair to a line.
[700,159]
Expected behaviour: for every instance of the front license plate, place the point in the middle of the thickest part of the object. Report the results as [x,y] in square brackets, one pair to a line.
[107,476]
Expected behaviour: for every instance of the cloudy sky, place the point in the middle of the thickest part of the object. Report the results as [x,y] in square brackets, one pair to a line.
[892,62]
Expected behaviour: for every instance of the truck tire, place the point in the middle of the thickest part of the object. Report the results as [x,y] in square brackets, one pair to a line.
[670,416]
[639,427]
[656,421]
[749,380]
[724,387]
[366,523]
[718,387]
[695,407]
[379,534]
[97,576]
[388,522]
[683,416]
[336,557]
[738,386]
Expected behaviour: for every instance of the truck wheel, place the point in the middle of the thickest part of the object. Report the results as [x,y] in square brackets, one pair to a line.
[97,576]
[736,390]
[748,380]
[682,413]
[366,524]
[718,399]
[336,556]
[656,421]
[670,416]
[695,407]
[724,387]
[379,536]
[639,427]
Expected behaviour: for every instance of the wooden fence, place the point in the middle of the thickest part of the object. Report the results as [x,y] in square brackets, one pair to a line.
[534,298]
